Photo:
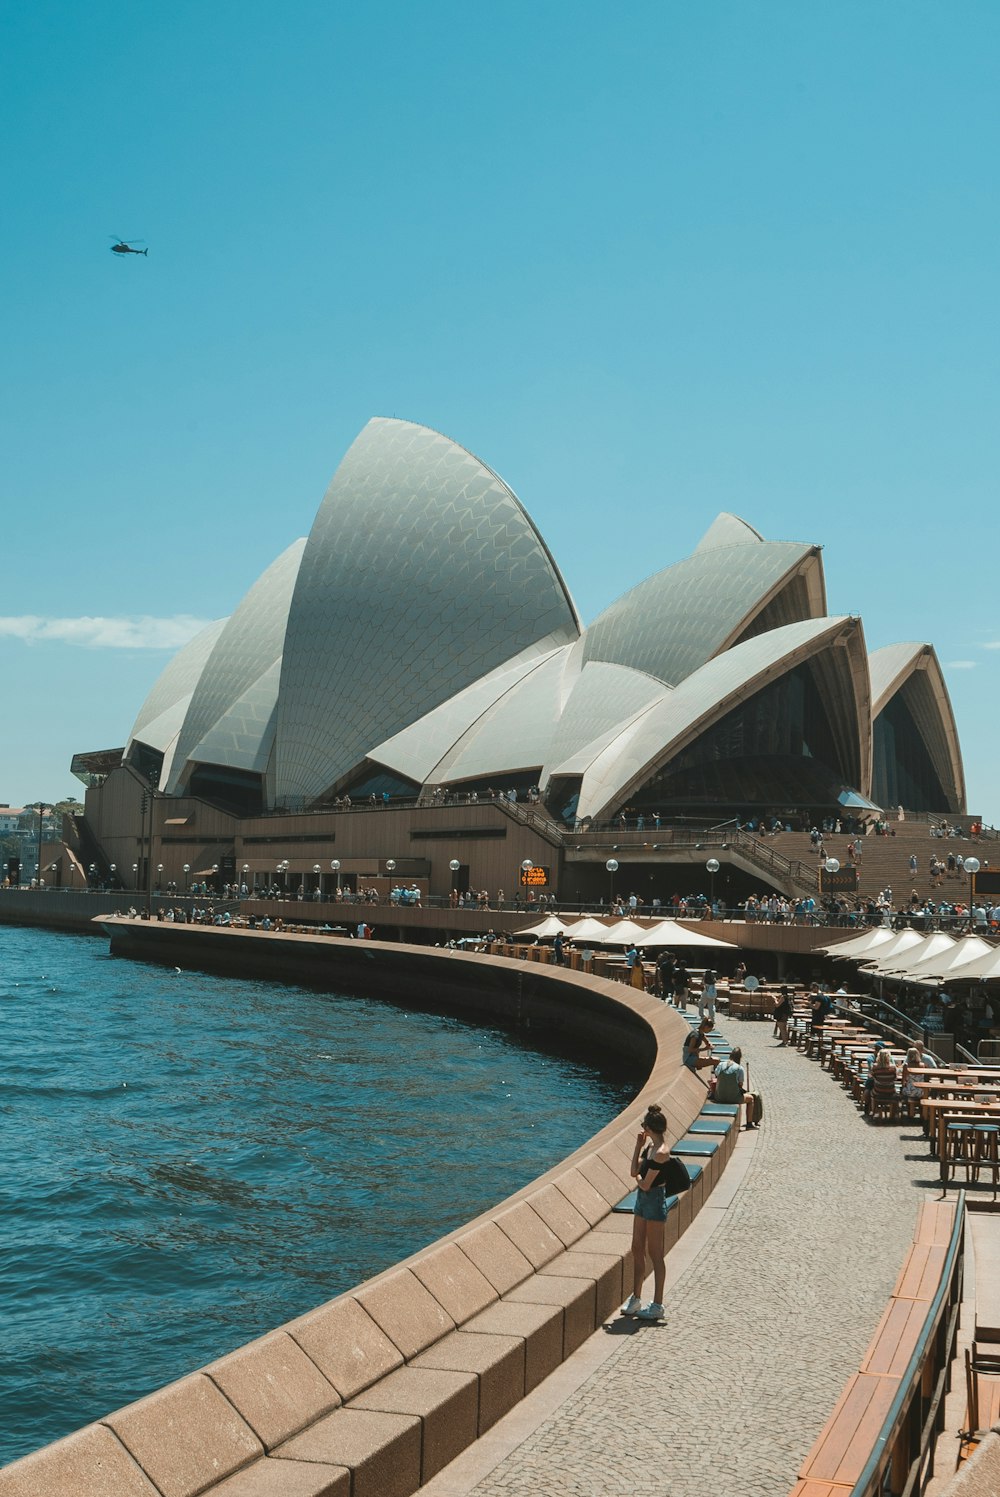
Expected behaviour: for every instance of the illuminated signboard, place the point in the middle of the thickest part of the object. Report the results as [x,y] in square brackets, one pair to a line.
[844,881]
[536,877]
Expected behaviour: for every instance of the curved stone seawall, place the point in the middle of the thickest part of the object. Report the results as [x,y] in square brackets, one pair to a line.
[374,1392]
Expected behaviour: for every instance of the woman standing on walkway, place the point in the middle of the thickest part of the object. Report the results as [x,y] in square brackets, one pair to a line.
[651,1152]
[782,1014]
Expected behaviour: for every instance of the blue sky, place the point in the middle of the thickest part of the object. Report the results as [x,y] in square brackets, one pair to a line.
[648,262]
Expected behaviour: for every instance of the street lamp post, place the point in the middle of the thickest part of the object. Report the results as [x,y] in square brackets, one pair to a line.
[187,874]
[93,875]
[390,867]
[972,866]
[244,884]
[159,877]
[135,874]
[114,870]
[612,866]
[52,875]
[41,822]
[711,868]
[335,869]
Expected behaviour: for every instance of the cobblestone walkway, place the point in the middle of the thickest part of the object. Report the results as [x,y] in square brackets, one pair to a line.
[764,1327]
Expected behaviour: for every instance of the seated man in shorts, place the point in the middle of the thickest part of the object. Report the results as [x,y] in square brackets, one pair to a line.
[731,1083]
[696,1051]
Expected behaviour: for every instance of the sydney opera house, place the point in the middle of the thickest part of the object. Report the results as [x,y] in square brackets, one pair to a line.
[420,652]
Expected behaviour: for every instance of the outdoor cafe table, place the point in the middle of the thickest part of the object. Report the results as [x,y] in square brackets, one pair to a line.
[824,1040]
[976,1089]
[843,1046]
[985,1073]
[938,1111]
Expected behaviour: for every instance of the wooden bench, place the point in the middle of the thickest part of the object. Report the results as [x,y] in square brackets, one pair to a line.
[873,1424]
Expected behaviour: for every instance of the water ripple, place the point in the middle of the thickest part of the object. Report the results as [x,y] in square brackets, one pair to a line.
[188,1161]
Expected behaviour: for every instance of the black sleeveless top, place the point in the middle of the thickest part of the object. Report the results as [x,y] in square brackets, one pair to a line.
[646,1164]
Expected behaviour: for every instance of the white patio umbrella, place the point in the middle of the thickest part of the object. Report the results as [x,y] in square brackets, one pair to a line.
[948,965]
[855,947]
[588,929]
[624,932]
[546,928]
[931,947]
[903,940]
[673,933]
[984,969]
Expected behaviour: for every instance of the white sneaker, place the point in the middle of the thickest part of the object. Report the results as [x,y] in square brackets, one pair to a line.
[651,1311]
[632,1305]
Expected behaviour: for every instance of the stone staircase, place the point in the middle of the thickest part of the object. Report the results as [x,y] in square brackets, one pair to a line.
[886,860]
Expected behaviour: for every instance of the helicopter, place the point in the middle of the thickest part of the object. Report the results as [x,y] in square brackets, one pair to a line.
[125,247]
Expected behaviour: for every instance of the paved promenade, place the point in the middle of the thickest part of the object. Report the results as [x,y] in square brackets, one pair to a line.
[772,1298]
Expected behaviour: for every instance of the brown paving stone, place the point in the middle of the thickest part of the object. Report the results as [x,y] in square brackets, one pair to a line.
[582,1196]
[576,1298]
[603,1270]
[611,1156]
[498,1260]
[540,1326]
[557,1214]
[91,1461]
[604,1179]
[185,1435]
[346,1345]
[446,1403]
[401,1307]
[497,1361]
[455,1282]
[529,1234]
[275,1386]
[273,1477]
[381,1451]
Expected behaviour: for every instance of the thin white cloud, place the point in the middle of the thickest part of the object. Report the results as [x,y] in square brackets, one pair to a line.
[994,644]
[140,632]
[961,665]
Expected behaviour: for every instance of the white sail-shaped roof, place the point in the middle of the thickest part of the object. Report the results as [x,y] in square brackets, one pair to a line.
[661,732]
[418,749]
[175,684]
[672,623]
[247,648]
[421,574]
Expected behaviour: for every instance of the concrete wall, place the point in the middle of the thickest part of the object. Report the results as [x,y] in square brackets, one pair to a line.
[372,1393]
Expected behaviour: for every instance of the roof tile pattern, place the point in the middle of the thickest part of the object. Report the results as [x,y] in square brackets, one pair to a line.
[176,682]
[249,645]
[424,626]
[421,573]
[673,622]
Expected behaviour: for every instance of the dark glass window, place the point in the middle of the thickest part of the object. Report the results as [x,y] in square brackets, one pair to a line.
[777,748]
[903,772]
[235,790]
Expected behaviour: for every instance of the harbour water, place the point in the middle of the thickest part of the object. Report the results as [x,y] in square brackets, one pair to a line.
[187,1161]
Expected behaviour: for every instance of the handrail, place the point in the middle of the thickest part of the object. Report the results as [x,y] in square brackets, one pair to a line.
[915,1417]
[869,1483]
[909,1029]
[769,857]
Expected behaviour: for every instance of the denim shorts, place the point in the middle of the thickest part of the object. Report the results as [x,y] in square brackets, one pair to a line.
[651,1204]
